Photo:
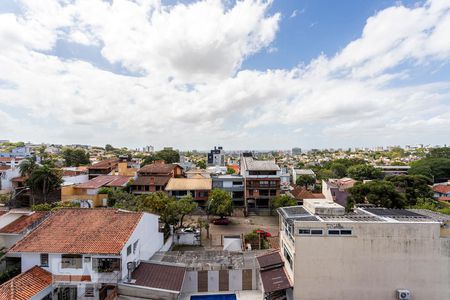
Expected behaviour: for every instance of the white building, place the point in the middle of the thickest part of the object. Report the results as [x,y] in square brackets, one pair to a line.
[371,253]
[89,250]
[298,172]
[9,168]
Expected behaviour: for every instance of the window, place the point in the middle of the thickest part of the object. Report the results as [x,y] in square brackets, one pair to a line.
[288,257]
[250,192]
[135,246]
[304,231]
[316,231]
[339,232]
[106,265]
[129,250]
[44,259]
[237,182]
[89,291]
[71,261]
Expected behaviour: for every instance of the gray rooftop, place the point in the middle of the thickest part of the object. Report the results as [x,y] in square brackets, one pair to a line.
[260,165]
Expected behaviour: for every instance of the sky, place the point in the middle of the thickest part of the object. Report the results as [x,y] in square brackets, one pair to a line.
[250,74]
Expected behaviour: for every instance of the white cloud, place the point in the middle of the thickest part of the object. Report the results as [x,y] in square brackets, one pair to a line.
[193,91]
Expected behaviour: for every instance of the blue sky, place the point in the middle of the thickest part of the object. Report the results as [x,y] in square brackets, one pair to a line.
[246,75]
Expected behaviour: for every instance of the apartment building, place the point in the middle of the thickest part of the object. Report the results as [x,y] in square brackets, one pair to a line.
[88,251]
[197,187]
[233,184]
[369,253]
[261,180]
[216,157]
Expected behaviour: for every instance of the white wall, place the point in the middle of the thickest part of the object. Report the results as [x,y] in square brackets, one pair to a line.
[373,263]
[68,180]
[6,177]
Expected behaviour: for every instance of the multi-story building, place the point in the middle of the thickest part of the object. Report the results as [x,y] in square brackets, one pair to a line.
[89,251]
[154,177]
[233,184]
[369,253]
[216,157]
[103,167]
[198,187]
[261,181]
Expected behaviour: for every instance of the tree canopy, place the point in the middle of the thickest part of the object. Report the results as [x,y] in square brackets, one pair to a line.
[443,152]
[283,201]
[168,155]
[364,172]
[75,157]
[220,203]
[414,187]
[380,193]
[431,167]
[305,180]
[44,180]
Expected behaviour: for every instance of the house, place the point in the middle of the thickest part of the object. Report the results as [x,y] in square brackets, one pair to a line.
[336,189]
[262,182]
[233,184]
[34,284]
[198,188]
[7,173]
[441,191]
[301,193]
[333,254]
[15,224]
[74,175]
[154,177]
[88,251]
[103,167]
[89,191]
[299,172]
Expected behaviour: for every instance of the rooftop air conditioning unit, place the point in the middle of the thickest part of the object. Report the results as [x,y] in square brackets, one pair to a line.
[403,295]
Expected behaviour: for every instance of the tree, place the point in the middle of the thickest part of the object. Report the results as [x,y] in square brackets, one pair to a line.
[339,169]
[380,193]
[119,197]
[27,166]
[414,187]
[443,152]
[168,155]
[230,170]
[220,203]
[75,157]
[325,174]
[201,164]
[44,180]
[364,172]
[185,206]
[283,201]
[109,148]
[433,168]
[305,180]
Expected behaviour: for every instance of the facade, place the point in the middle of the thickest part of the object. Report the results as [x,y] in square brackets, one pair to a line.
[262,182]
[394,170]
[216,157]
[103,167]
[233,184]
[371,253]
[7,173]
[298,172]
[15,224]
[198,188]
[154,177]
[89,251]
[336,189]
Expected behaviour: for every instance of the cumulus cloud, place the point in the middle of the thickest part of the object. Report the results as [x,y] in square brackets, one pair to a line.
[187,88]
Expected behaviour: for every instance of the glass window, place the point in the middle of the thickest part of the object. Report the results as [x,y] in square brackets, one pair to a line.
[135,246]
[346,232]
[333,231]
[106,265]
[129,250]
[44,259]
[304,231]
[316,231]
[71,261]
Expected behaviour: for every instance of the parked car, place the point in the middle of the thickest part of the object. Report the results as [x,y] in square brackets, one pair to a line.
[263,233]
[221,221]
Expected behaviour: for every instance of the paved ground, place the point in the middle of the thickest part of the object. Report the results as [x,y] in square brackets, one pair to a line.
[238,226]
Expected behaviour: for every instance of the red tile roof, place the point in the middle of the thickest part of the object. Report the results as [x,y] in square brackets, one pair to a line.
[446,199]
[4,168]
[159,276]
[158,168]
[270,259]
[105,164]
[273,274]
[26,285]
[443,189]
[104,180]
[9,159]
[301,193]
[81,231]
[24,222]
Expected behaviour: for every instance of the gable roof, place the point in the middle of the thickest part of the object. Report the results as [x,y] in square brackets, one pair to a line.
[104,180]
[24,222]
[81,231]
[189,184]
[443,189]
[158,168]
[26,285]
[159,276]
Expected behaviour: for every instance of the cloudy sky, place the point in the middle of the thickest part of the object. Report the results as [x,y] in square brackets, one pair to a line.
[248,74]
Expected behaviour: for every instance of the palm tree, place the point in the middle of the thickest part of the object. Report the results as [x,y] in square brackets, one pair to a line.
[27,166]
[45,180]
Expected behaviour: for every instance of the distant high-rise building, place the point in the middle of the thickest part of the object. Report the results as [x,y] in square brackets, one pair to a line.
[148,149]
[216,157]
[296,151]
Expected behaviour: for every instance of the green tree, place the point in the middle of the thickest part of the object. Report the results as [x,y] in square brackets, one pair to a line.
[283,201]
[185,206]
[380,193]
[339,169]
[109,148]
[364,172]
[324,174]
[201,164]
[220,203]
[433,168]
[230,170]
[305,180]
[119,198]
[27,166]
[414,187]
[44,180]
[168,155]
[75,157]
[443,152]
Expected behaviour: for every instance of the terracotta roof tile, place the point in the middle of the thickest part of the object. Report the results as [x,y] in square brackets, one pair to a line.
[26,285]
[24,222]
[158,168]
[443,189]
[159,276]
[105,164]
[81,231]
[104,180]
[146,180]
